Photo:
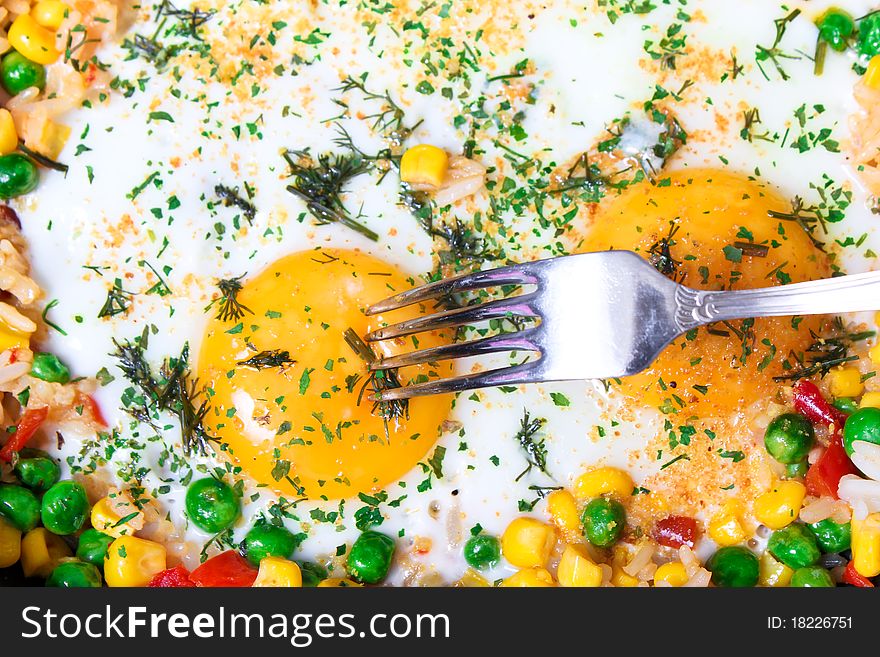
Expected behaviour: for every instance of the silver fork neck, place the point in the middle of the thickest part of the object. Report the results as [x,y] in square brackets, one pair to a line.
[858,292]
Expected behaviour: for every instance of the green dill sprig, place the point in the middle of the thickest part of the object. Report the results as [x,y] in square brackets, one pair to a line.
[231,198]
[824,353]
[118,301]
[807,217]
[42,160]
[264,360]
[661,255]
[188,20]
[320,182]
[774,54]
[231,309]
[536,451]
[184,24]
[751,119]
[376,381]
[585,176]
[462,244]
[174,390]
[388,120]
[150,49]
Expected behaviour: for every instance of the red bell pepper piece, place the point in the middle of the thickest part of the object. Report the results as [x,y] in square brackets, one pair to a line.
[824,475]
[95,410]
[851,576]
[176,578]
[675,531]
[809,402]
[226,569]
[25,429]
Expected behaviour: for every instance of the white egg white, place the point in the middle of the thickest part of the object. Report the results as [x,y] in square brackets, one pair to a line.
[587,72]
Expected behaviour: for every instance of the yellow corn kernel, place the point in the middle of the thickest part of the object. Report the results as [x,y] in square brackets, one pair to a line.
[10,544]
[846,382]
[619,577]
[779,507]
[871,399]
[874,354]
[132,561]
[530,578]
[773,573]
[41,551]
[10,339]
[603,481]
[32,40]
[673,573]
[866,545]
[337,583]
[471,579]
[872,75]
[8,135]
[424,165]
[725,527]
[563,512]
[107,521]
[50,13]
[276,572]
[576,568]
[526,543]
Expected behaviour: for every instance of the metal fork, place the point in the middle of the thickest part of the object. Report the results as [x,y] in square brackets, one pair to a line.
[602,315]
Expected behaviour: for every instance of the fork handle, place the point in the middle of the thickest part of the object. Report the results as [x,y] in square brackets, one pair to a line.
[842,294]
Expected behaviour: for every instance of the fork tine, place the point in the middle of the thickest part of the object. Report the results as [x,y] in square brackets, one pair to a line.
[512,275]
[518,305]
[507,342]
[524,373]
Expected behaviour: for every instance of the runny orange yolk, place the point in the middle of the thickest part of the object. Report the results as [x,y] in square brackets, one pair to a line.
[300,428]
[720,235]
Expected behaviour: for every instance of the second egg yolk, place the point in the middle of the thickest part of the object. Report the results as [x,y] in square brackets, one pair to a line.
[713,230]
[303,424]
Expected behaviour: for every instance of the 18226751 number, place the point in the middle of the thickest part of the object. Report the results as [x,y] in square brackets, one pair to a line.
[820,622]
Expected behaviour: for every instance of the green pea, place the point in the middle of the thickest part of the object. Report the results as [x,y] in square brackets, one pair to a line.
[37,470]
[835,28]
[795,470]
[603,521]
[831,536]
[19,507]
[93,546]
[482,551]
[869,35]
[65,507]
[811,577]
[49,368]
[18,175]
[267,540]
[733,567]
[864,424]
[312,573]
[795,546]
[211,505]
[370,557]
[789,438]
[18,73]
[75,575]
[846,404]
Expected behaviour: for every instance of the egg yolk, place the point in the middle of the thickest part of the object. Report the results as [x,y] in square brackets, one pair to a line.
[712,230]
[307,427]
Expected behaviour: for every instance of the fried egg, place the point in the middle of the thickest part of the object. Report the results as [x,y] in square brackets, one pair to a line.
[312,418]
